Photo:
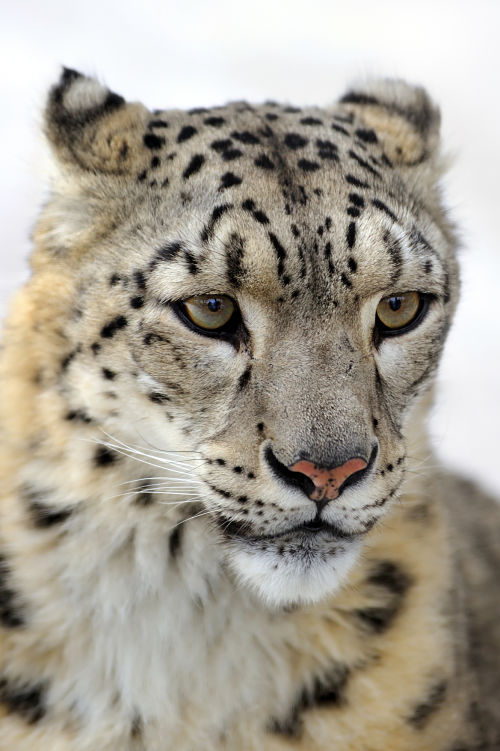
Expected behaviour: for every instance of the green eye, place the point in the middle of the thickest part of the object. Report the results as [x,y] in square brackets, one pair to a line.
[209,312]
[397,313]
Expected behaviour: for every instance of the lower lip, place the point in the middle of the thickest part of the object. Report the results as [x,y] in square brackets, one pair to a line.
[311,530]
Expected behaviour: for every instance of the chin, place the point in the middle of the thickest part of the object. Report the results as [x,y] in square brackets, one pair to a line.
[300,573]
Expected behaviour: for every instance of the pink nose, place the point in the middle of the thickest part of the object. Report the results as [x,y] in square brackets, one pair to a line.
[327,481]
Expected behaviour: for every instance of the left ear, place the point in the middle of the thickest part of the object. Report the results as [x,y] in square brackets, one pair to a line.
[92,128]
[403,117]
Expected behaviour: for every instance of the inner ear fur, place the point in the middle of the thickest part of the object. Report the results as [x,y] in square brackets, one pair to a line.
[93,128]
[403,117]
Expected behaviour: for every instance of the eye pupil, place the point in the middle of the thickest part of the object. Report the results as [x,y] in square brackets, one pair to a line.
[214,304]
[395,303]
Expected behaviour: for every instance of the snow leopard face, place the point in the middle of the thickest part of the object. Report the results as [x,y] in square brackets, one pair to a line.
[265,289]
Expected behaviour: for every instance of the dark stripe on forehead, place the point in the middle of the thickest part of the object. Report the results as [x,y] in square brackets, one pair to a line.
[393,247]
[382,207]
[217,213]
[234,260]
[281,253]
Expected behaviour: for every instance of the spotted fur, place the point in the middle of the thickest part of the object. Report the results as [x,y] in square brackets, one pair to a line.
[167,580]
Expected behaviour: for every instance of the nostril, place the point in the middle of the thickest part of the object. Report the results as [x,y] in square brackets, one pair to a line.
[295,479]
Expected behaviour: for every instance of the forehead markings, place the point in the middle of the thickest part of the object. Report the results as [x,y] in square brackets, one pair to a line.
[293,141]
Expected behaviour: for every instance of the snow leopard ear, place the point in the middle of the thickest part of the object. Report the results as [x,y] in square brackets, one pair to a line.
[402,116]
[91,127]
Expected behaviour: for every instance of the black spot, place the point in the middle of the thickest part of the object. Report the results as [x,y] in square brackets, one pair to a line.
[221,462]
[424,711]
[136,302]
[307,166]
[271,116]
[368,136]
[95,347]
[153,338]
[11,615]
[396,582]
[186,133]
[352,264]
[363,164]
[327,150]
[357,200]
[340,129]
[168,252]
[238,470]
[390,576]
[245,137]
[244,378]
[174,541]
[260,427]
[68,359]
[382,207]
[295,141]
[157,124]
[428,267]
[44,516]
[327,691]
[353,211]
[264,162]
[158,398]
[140,279]
[142,176]
[351,235]
[242,499]
[194,166]
[114,279]
[311,121]
[197,111]
[346,281]
[260,217]
[191,261]
[24,699]
[104,457]
[231,154]
[151,141]
[215,122]
[229,180]
[222,145]
[110,329]
[357,183]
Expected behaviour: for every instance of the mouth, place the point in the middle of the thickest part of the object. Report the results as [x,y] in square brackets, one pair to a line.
[316,529]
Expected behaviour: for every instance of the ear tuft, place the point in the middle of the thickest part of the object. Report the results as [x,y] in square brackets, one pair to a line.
[91,126]
[404,117]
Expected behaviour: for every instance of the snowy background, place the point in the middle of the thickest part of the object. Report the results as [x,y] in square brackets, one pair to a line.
[194,53]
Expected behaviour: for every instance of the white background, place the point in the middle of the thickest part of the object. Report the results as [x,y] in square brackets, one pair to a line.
[190,53]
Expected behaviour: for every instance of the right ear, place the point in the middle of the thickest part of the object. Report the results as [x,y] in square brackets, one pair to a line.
[91,127]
